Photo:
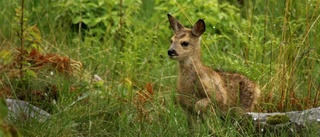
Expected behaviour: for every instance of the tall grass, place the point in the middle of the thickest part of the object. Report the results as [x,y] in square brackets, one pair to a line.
[274,43]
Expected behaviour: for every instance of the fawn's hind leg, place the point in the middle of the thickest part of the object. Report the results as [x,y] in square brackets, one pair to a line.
[248,94]
[242,91]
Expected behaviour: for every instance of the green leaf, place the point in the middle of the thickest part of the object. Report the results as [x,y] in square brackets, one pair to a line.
[5,57]
[101,2]
[31,73]
[77,19]
[35,33]
[37,47]
[26,63]
[3,109]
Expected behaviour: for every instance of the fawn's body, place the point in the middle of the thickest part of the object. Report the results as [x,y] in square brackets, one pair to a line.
[200,87]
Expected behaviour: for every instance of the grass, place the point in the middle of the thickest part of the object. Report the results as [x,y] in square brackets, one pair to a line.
[274,43]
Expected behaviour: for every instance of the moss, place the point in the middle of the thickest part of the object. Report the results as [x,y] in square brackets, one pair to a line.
[278,119]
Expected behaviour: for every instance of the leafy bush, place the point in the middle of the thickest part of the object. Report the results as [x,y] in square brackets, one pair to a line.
[125,43]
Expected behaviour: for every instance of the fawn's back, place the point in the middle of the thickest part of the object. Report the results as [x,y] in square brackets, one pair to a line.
[200,87]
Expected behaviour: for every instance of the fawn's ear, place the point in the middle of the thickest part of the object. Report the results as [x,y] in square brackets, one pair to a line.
[199,28]
[174,23]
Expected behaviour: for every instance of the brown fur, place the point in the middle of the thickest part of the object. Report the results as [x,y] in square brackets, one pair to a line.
[200,87]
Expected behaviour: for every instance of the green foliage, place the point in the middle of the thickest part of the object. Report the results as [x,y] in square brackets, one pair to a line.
[125,43]
[278,119]
[99,18]
[30,34]
[5,57]
[6,130]
[3,109]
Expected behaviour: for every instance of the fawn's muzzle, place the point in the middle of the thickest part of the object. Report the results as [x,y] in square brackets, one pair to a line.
[172,52]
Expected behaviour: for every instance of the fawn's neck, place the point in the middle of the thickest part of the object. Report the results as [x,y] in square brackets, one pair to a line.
[190,66]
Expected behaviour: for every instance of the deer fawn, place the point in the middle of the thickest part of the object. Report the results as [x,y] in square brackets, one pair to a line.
[199,87]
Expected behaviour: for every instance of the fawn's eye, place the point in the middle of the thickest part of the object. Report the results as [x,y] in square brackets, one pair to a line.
[185,44]
[171,41]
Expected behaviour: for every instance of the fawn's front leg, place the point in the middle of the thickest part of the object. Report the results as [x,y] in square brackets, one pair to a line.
[202,105]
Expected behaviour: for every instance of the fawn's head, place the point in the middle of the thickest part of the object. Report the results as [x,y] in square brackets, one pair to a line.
[185,42]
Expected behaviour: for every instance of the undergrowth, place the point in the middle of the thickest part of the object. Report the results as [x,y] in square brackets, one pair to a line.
[100,67]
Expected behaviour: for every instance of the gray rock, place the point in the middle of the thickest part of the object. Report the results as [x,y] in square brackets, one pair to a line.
[21,110]
[294,121]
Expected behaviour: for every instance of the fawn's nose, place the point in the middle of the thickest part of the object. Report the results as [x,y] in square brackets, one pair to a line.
[172,52]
